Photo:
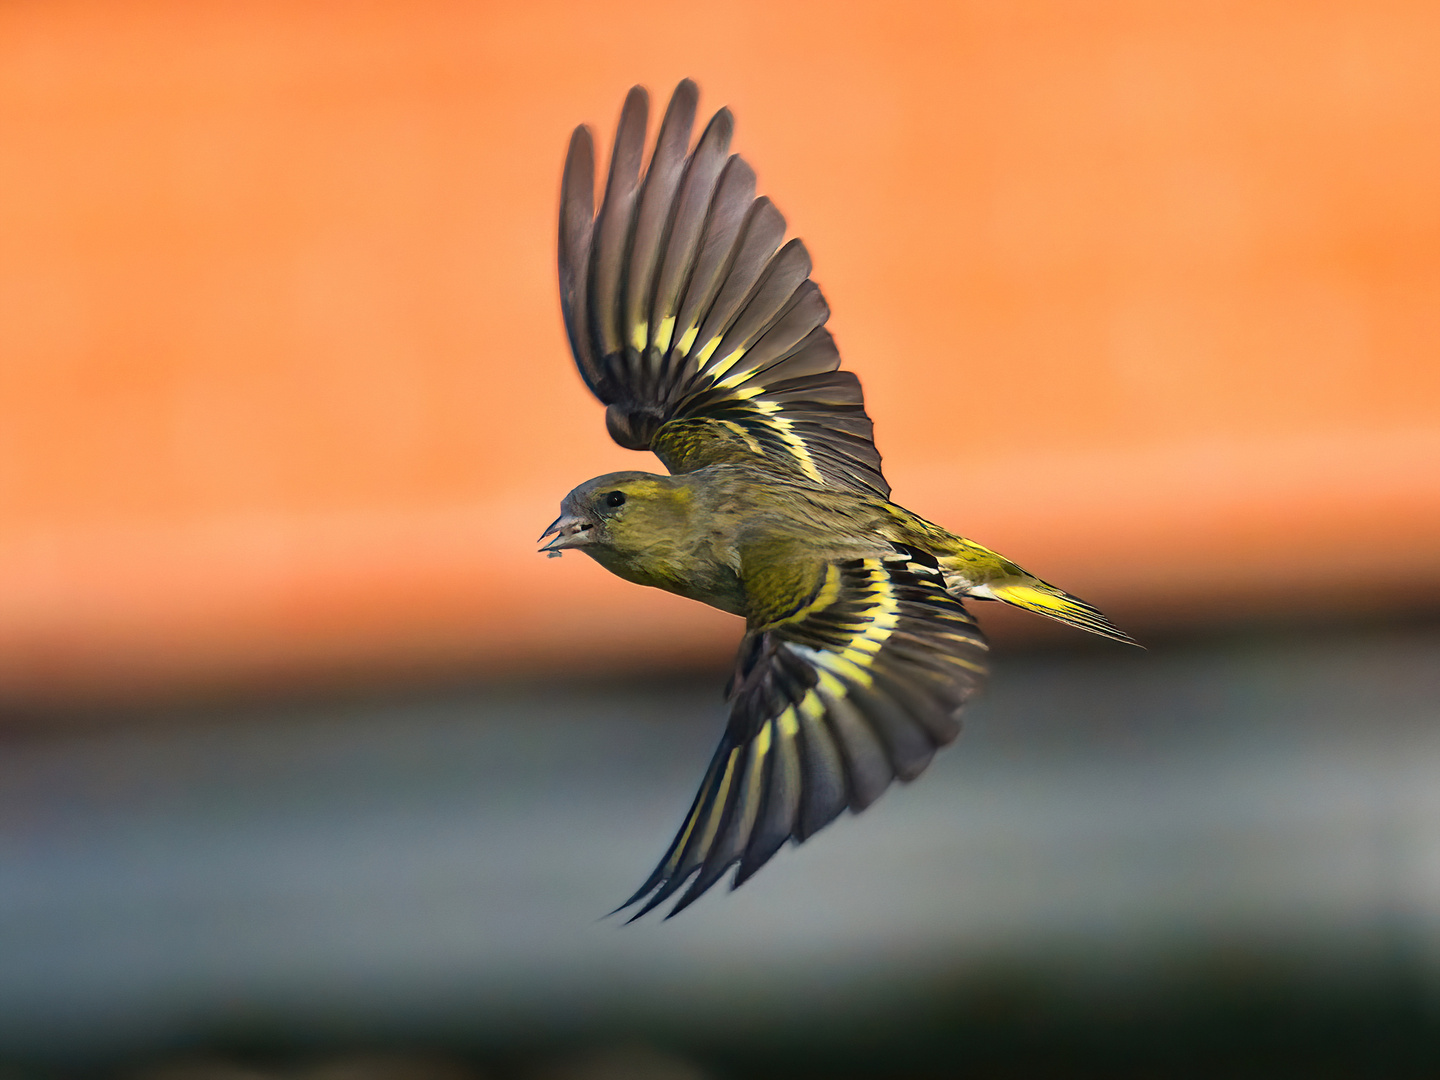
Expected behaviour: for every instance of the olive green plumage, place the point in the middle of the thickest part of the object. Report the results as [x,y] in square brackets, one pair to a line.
[705,339]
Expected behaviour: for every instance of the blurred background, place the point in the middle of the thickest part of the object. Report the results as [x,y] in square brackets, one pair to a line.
[310,767]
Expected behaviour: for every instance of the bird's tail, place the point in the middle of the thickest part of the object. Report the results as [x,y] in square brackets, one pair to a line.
[1045,599]
[972,570]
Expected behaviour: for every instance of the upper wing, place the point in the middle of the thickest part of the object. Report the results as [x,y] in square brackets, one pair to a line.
[689,320]
[853,679]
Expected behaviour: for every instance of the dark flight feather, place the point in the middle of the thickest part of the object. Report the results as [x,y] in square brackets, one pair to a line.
[610,247]
[760,238]
[662,179]
[702,173]
[577,220]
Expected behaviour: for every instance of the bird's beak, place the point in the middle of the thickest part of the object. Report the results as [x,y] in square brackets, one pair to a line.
[569,532]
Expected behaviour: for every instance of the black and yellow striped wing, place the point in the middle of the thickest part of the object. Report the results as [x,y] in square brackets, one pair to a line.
[855,684]
[702,334]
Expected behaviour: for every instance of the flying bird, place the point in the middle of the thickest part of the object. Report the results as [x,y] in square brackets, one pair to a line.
[703,335]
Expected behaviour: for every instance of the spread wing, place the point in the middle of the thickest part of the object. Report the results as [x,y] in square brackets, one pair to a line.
[703,335]
[852,679]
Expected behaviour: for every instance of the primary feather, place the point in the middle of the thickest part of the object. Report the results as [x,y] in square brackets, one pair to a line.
[699,328]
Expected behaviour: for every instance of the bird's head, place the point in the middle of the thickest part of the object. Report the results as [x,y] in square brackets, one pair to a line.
[619,515]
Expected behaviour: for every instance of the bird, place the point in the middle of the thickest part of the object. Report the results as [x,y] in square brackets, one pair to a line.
[699,329]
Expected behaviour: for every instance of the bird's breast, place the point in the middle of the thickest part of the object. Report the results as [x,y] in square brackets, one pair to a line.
[701,567]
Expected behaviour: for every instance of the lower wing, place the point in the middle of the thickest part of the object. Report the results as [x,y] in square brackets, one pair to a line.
[855,684]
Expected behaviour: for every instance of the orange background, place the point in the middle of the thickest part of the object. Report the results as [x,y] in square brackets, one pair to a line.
[1146,296]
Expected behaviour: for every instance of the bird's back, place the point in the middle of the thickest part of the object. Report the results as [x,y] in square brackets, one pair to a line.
[777,517]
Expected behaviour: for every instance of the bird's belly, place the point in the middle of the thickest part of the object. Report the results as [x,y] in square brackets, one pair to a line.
[722,591]
[718,586]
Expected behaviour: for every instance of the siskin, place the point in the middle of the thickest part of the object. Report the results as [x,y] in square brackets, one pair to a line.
[705,339]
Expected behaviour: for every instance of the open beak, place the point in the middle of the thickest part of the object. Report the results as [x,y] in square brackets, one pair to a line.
[569,532]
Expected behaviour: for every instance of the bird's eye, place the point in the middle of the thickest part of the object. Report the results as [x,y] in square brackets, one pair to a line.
[615,498]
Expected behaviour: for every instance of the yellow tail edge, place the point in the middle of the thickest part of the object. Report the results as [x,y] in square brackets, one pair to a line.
[1054,604]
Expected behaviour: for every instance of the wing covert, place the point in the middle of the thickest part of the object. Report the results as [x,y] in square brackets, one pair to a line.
[692,320]
[852,679]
